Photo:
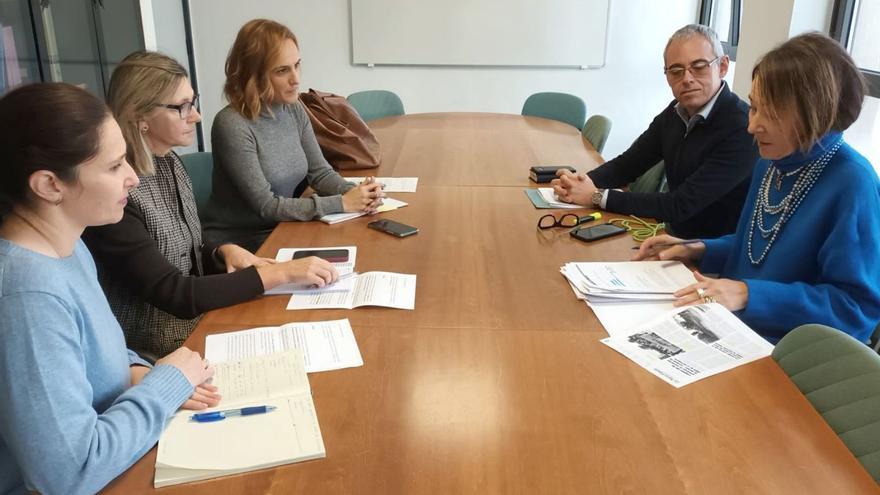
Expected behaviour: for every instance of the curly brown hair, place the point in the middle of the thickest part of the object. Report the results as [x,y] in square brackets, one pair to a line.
[247,85]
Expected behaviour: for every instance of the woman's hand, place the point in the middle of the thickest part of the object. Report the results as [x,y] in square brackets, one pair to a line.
[573,188]
[191,364]
[238,258]
[732,294]
[654,249]
[204,396]
[312,271]
[366,197]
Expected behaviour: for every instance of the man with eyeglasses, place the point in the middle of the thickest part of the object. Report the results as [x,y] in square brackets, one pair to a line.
[701,137]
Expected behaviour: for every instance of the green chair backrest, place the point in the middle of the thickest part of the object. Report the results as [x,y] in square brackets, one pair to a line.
[557,106]
[840,376]
[375,104]
[200,167]
[651,181]
[596,131]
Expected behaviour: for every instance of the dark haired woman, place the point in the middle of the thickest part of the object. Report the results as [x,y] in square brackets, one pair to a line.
[76,407]
[806,247]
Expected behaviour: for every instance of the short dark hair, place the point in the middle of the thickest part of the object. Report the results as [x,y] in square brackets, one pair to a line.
[812,79]
[48,126]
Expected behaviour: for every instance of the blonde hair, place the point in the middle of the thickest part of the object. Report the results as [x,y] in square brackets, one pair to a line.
[257,45]
[813,80]
[140,83]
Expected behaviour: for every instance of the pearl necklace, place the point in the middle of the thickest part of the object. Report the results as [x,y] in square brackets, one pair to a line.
[807,177]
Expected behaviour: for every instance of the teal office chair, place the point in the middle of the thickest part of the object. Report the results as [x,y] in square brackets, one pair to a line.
[654,180]
[840,376]
[200,167]
[557,106]
[375,104]
[596,131]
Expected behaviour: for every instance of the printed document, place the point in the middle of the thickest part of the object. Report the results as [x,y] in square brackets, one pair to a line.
[344,269]
[326,345]
[392,290]
[691,343]
[392,184]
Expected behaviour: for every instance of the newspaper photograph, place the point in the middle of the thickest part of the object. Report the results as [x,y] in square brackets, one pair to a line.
[691,343]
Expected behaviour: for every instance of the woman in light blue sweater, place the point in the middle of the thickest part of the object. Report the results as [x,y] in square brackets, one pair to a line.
[76,407]
[806,247]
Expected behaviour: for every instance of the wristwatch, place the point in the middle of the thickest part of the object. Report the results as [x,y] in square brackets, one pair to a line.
[597,196]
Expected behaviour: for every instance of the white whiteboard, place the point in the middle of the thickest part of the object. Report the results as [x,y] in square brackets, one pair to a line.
[480,32]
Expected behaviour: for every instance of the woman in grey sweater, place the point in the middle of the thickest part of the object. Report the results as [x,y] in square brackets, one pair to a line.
[265,151]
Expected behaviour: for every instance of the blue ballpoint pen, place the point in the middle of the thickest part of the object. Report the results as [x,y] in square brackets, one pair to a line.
[221,415]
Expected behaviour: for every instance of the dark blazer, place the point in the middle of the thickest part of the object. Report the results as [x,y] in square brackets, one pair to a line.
[708,170]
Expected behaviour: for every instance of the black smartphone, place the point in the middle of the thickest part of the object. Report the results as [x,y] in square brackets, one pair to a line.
[597,232]
[331,255]
[396,229]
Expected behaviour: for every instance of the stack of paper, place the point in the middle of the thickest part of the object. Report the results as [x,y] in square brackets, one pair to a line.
[624,295]
[389,204]
[191,451]
[344,268]
[691,343]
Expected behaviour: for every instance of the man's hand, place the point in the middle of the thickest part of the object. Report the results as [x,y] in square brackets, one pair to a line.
[573,188]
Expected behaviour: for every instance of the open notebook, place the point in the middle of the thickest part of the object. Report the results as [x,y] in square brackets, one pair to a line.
[191,451]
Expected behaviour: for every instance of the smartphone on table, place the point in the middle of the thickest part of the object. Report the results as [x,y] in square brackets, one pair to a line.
[396,229]
[331,255]
[597,232]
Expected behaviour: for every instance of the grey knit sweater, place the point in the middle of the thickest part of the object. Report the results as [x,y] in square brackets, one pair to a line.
[257,167]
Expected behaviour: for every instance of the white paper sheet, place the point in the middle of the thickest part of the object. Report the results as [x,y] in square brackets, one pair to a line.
[691,343]
[326,345]
[392,184]
[389,204]
[553,200]
[392,290]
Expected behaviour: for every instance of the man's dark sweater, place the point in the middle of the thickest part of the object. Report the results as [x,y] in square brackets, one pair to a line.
[708,170]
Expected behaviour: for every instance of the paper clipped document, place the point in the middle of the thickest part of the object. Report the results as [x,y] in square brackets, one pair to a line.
[343,268]
[326,345]
[388,204]
[392,184]
[553,200]
[192,451]
[691,343]
[391,290]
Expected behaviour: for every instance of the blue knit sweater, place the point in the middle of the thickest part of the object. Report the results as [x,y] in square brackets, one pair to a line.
[69,419]
[824,266]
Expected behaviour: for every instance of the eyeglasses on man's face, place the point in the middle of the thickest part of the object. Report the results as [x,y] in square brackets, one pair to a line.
[567,220]
[697,68]
[185,109]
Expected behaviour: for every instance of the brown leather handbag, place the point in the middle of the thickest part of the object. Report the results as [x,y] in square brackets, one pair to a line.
[345,140]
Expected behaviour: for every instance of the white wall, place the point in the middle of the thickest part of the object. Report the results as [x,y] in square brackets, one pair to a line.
[630,89]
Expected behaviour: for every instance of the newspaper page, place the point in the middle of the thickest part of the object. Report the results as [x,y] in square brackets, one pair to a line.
[692,343]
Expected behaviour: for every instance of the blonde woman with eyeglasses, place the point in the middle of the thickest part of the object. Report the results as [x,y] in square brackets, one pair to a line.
[157,273]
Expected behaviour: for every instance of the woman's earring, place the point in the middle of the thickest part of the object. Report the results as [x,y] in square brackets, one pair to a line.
[144,129]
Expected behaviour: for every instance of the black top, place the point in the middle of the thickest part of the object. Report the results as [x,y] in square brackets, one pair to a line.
[708,170]
[152,263]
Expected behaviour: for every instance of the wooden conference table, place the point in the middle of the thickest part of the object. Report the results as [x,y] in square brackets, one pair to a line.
[497,382]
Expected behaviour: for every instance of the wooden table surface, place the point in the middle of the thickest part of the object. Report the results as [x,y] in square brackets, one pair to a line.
[497,382]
